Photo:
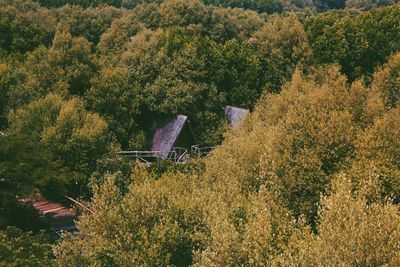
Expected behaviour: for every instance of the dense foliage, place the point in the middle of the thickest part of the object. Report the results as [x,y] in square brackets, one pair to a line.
[311,177]
[314,170]
[269,6]
[18,248]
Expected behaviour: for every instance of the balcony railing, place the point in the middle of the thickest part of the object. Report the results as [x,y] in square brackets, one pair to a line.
[177,155]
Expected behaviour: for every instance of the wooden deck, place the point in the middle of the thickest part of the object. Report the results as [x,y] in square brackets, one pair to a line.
[61,218]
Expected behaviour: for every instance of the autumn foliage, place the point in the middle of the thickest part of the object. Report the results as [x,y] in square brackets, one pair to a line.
[310,178]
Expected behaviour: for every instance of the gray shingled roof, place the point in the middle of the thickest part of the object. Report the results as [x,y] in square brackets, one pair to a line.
[166,136]
[235,115]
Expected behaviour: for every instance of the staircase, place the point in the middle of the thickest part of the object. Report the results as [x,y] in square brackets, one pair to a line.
[61,218]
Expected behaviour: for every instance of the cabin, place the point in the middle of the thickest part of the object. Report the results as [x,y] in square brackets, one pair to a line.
[172,133]
[235,115]
[173,138]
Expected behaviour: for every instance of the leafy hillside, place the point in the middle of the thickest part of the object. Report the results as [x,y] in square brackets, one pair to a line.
[310,178]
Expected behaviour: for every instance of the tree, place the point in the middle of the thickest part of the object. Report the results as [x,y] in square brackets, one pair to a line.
[377,157]
[64,68]
[171,68]
[296,141]
[4,94]
[26,165]
[147,226]
[268,6]
[90,22]
[237,70]
[18,248]
[386,82]
[324,5]
[368,4]
[75,137]
[117,97]
[355,42]
[25,25]
[183,13]
[360,4]
[282,45]
[327,37]
[300,4]
[116,38]
[225,24]
[83,3]
[254,233]
[351,232]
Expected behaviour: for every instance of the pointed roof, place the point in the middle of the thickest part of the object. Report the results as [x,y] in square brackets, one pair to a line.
[166,136]
[235,115]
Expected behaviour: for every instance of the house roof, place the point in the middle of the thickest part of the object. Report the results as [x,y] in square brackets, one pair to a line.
[167,134]
[235,115]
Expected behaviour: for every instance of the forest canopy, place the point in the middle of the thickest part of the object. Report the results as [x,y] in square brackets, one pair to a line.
[310,178]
